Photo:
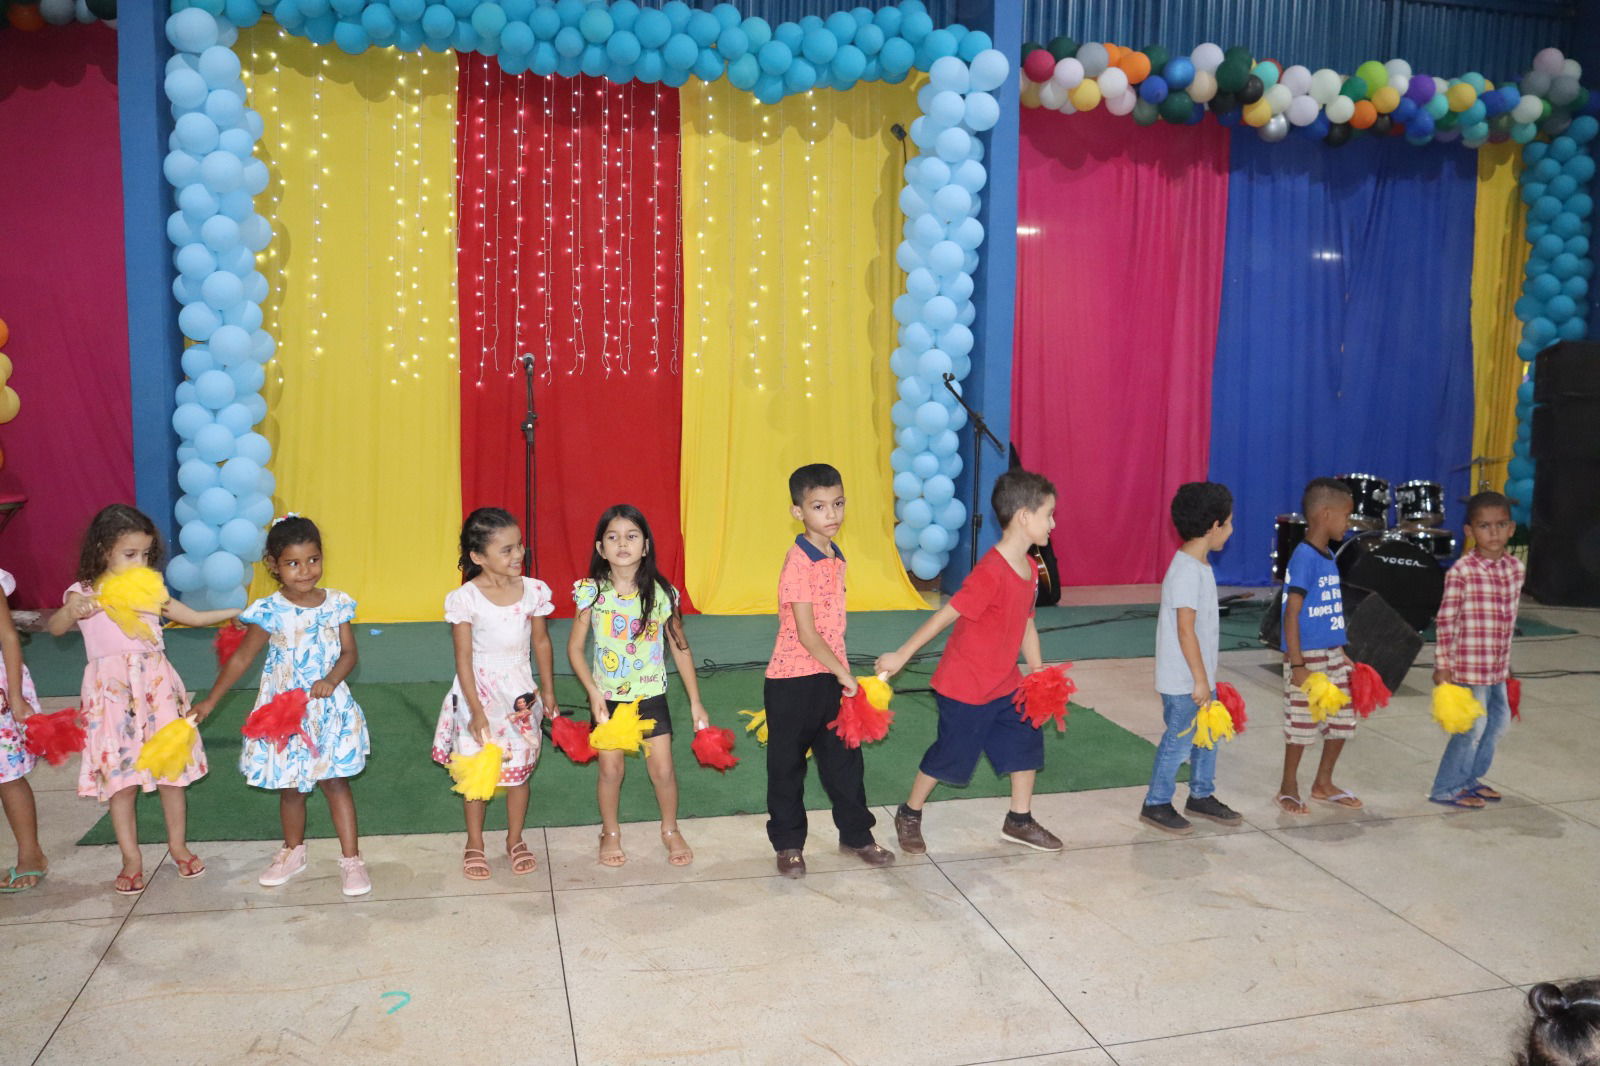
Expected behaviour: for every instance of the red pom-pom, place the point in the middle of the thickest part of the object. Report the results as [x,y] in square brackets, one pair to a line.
[280,720]
[1367,690]
[1044,695]
[229,636]
[55,736]
[713,746]
[1230,698]
[1513,697]
[859,722]
[572,737]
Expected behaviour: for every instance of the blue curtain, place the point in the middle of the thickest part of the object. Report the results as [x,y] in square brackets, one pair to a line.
[1345,342]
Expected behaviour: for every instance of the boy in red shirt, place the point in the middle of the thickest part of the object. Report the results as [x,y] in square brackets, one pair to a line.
[977,674]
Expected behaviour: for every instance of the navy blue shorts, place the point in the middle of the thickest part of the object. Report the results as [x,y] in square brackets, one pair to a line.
[968,731]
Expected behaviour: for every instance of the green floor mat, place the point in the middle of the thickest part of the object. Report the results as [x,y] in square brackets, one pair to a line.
[402,791]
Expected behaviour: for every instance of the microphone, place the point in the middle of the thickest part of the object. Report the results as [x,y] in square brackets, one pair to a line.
[526,359]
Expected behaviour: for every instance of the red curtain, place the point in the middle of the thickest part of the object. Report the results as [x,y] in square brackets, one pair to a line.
[568,206]
[64,296]
[1120,233]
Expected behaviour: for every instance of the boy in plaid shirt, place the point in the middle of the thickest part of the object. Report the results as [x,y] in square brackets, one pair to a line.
[1474,626]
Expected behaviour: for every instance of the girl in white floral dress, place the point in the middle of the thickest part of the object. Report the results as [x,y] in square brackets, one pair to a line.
[19,701]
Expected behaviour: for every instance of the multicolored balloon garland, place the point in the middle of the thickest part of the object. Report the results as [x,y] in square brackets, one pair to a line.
[37,14]
[1386,99]
[216,232]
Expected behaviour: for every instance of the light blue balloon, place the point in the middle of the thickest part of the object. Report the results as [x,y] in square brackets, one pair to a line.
[257,508]
[183,574]
[247,376]
[231,346]
[198,202]
[222,571]
[192,30]
[214,389]
[185,88]
[241,537]
[938,490]
[952,203]
[709,66]
[916,513]
[198,321]
[924,565]
[945,258]
[215,505]
[196,360]
[916,338]
[925,465]
[933,365]
[922,285]
[221,290]
[245,315]
[953,145]
[907,256]
[236,417]
[439,22]
[946,108]
[907,486]
[214,443]
[849,64]
[198,538]
[195,133]
[905,537]
[184,393]
[896,57]
[982,111]
[916,392]
[911,439]
[240,476]
[744,72]
[952,515]
[680,52]
[623,47]
[933,417]
[196,475]
[939,313]
[219,233]
[934,538]
[899,460]
[195,261]
[255,447]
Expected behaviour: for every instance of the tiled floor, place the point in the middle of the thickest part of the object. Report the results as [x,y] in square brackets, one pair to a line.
[1401,934]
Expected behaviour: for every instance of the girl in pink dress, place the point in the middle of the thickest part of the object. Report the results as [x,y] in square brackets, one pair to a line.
[129,690]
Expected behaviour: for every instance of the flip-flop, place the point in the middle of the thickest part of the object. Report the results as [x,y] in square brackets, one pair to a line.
[1292,799]
[129,884]
[12,874]
[1487,794]
[1333,800]
[1457,801]
[189,868]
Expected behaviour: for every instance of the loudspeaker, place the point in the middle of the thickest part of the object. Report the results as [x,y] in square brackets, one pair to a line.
[1564,548]
[1375,633]
[1571,368]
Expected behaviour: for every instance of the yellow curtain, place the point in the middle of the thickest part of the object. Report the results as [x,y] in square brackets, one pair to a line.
[790,222]
[363,393]
[1498,255]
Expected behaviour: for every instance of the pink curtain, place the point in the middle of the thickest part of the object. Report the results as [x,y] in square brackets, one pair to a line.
[1120,233]
[64,296]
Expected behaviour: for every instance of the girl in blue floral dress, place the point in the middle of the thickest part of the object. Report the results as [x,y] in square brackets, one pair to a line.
[311,645]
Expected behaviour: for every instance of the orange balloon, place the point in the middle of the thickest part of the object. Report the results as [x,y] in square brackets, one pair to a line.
[1365,115]
[5,333]
[1114,52]
[1136,65]
[25,16]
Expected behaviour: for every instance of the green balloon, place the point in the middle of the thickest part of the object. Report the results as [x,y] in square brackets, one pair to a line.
[1062,47]
[1158,57]
[1354,88]
[1231,76]
[1177,108]
[1447,121]
[1544,110]
[103,9]
[1238,54]
[1145,113]
[1373,74]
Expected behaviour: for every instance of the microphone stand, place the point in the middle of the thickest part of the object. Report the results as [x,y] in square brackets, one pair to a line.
[528,421]
[980,430]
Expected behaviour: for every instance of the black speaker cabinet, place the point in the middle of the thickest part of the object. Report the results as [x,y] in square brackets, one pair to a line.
[1564,549]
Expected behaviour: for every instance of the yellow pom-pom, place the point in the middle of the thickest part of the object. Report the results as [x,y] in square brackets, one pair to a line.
[476,776]
[757,724]
[1211,724]
[1323,697]
[125,596]
[624,731]
[877,691]
[166,754]
[1454,708]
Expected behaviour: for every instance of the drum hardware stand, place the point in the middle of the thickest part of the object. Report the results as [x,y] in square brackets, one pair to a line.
[530,418]
[1481,461]
[980,430]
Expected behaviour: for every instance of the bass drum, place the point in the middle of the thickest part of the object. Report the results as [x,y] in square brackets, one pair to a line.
[1407,578]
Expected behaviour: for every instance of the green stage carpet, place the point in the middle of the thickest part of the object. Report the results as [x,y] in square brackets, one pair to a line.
[420,651]
[403,791]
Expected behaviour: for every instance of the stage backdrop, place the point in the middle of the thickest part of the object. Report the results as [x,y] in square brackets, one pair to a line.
[364,407]
[63,294]
[789,281]
[1345,341]
[1120,235]
[1500,251]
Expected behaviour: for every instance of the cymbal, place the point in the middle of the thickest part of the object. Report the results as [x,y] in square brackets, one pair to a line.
[1482,460]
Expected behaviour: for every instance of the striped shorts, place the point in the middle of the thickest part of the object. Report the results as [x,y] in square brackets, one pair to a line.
[1298,725]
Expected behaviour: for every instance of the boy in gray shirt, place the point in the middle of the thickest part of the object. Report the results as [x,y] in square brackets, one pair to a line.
[1186,658]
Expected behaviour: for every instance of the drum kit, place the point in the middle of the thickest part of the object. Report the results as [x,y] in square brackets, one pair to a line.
[1403,562]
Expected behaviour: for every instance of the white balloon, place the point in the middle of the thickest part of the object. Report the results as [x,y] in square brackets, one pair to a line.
[1325,86]
[1114,82]
[1549,61]
[1052,95]
[1203,88]
[1068,73]
[56,12]
[1207,57]
[1341,109]
[1297,78]
[1398,68]
[1278,98]
[1528,109]
[1400,82]
[1302,111]
[1122,103]
[1572,68]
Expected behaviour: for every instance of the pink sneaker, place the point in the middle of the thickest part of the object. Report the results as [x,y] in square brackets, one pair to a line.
[288,862]
[353,876]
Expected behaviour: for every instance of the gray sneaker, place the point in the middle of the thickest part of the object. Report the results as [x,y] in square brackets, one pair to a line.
[1214,809]
[1030,834]
[1164,816]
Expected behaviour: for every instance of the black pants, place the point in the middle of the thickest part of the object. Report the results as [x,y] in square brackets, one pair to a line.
[798,712]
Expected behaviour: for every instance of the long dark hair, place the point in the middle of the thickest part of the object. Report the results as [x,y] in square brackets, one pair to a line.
[648,579]
[101,536]
[475,533]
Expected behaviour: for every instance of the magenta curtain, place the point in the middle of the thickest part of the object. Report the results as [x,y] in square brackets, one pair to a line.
[1120,233]
[64,296]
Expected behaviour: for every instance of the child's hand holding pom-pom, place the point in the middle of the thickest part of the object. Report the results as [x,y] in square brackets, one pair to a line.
[1367,690]
[127,596]
[1230,698]
[1211,724]
[280,720]
[1455,708]
[1323,697]
[477,776]
[54,737]
[713,747]
[1044,695]
[864,716]
[167,754]
[229,636]
[624,731]
[572,737]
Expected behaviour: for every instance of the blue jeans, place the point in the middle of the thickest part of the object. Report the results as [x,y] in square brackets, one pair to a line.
[1468,755]
[1179,713]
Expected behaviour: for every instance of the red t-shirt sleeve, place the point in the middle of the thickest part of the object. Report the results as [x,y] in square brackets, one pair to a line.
[976,592]
[794,583]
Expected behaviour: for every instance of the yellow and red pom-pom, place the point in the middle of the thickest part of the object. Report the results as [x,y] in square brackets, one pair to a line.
[54,737]
[1514,697]
[229,636]
[1230,698]
[280,720]
[865,716]
[713,747]
[1044,695]
[128,596]
[167,754]
[1455,708]
[572,737]
[1367,690]
[477,776]
[624,731]
[756,725]
[1211,724]
[1323,697]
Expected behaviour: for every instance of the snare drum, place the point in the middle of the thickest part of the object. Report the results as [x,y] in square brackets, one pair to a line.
[1371,494]
[1419,503]
[1436,542]
[1288,531]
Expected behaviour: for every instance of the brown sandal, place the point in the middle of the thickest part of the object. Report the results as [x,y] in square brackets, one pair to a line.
[680,856]
[475,865]
[522,860]
[615,856]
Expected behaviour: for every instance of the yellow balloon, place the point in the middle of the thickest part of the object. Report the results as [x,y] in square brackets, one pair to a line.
[1259,113]
[5,368]
[1461,96]
[1086,96]
[1030,93]
[1386,99]
[10,404]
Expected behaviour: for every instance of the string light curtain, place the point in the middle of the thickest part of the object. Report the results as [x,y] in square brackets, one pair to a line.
[1499,252]
[790,222]
[569,204]
[364,404]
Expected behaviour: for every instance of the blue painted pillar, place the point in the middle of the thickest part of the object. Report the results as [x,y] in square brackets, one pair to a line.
[154,343]
[988,387]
